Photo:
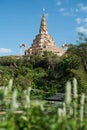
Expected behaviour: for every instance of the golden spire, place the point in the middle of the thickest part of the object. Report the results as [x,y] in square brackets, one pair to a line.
[43,27]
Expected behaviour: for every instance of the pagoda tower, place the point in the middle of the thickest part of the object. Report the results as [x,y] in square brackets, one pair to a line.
[44,42]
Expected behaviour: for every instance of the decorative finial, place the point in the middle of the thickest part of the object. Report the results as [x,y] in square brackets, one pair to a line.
[43,10]
[65,45]
[43,26]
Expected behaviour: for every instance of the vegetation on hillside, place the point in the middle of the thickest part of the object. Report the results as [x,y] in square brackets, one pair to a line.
[47,72]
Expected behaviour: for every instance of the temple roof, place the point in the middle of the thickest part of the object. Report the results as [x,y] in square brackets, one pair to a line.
[44,41]
[57,97]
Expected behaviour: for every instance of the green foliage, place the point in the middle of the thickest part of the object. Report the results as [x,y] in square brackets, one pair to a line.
[47,72]
[26,114]
[79,54]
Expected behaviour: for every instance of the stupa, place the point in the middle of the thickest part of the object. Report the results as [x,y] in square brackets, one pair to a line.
[44,41]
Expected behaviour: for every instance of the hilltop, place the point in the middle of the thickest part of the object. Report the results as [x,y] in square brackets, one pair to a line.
[47,72]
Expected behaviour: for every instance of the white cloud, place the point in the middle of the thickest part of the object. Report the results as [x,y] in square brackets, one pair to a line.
[5,50]
[67,11]
[80,4]
[62,9]
[68,14]
[71,10]
[78,20]
[82,7]
[76,10]
[85,20]
[58,3]
[81,20]
[82,29]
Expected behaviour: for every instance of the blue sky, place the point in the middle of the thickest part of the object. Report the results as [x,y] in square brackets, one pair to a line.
[20,22]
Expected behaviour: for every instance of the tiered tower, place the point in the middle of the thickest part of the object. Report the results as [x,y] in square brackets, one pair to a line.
[44,42]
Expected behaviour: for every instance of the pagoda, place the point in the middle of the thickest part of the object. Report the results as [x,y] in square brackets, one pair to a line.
[44,42]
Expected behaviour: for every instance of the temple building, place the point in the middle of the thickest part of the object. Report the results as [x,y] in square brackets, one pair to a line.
[43,42]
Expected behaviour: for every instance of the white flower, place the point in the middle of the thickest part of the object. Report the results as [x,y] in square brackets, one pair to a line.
[5,91]
[68,93]
[14,104]
[82,107]
[82,99]
[75,94]
[64,109]
[27,101]
[10,84]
